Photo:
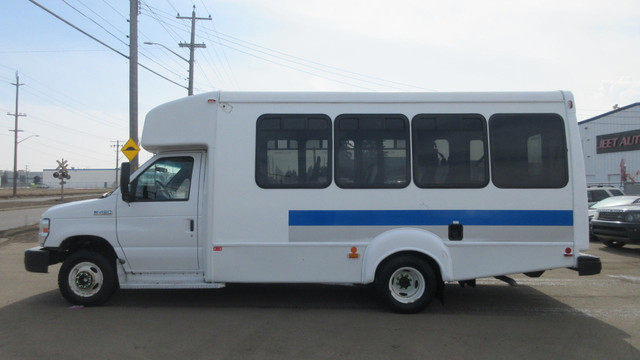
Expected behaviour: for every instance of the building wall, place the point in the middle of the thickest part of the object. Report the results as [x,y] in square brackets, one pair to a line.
[610,141]
[83,178]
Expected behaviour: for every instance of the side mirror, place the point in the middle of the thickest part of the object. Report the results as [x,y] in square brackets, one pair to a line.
[125,174]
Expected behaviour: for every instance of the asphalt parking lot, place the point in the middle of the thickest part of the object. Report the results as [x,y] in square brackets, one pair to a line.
[559,315]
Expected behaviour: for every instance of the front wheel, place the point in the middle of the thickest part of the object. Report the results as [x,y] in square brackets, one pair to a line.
[407,284]
[87,278]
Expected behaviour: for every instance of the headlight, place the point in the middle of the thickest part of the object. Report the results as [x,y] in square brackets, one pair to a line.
[44,230]
[632,217]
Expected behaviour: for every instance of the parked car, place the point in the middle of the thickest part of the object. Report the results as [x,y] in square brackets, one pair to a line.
[597,193]
[617,226]
[610,201]
[613,201]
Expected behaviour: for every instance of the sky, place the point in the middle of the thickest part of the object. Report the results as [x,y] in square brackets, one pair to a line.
[76,91]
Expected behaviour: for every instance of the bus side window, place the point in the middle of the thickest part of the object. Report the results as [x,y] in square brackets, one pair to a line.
[293,151]
[528,151]
[449,151]
[372,151]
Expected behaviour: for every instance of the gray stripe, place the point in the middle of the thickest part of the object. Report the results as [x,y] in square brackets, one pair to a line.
[364,234]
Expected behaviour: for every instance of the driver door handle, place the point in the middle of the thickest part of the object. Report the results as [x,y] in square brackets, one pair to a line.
[192,224]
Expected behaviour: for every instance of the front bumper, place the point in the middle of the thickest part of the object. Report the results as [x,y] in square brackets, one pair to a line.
[38,259]
[588,265]
[613,230]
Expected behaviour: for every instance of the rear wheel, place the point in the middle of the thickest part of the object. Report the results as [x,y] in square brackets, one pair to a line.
[87,278]
[407,284]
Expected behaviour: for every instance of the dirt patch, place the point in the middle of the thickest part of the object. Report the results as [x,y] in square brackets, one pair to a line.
[49,198]
[24,234]
[7,193]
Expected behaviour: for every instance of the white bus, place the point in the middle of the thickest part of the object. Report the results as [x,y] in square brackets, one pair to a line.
[406,191]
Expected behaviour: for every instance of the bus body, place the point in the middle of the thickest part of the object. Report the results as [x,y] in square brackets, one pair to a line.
[404,190]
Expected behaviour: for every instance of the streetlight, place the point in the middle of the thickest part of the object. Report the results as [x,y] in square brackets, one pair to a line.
[173,52]
[190,88]
[15,163]
[30,136]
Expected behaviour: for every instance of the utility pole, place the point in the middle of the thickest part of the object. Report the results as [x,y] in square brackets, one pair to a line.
[192,45]
[133,75]
[117,147]
[15,137]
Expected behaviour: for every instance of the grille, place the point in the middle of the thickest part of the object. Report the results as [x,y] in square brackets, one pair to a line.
[611,215]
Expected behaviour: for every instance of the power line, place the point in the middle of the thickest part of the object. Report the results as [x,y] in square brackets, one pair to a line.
[297,69]
[173,71]
[52,97]
[309,63]
[169,24]
[95,22]
[220,43]
[47,51]
[154,15]
[114,9]
[46,148]
[102,43]
[173,7]
[224,54]
[58,126]
[78,29]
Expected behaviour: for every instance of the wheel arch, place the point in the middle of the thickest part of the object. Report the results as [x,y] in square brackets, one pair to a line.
[87,242]
[398,242]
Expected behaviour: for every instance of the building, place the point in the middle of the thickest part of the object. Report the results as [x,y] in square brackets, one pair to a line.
[83,178]
[25,178]
[611,146]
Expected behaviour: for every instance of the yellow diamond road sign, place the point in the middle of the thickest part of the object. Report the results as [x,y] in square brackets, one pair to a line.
[130,149]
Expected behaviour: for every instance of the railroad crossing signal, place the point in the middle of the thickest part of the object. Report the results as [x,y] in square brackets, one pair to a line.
[61,171]
[130,149]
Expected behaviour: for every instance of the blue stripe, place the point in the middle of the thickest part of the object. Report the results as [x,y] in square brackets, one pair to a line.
[430,217]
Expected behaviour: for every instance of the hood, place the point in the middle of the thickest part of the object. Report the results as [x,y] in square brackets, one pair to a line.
[82,209]
[619,208]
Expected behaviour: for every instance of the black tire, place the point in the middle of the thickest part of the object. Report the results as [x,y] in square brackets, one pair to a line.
[614,244]
[87,278]
[406,283]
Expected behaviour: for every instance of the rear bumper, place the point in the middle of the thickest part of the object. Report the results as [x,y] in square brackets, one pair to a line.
[588,265]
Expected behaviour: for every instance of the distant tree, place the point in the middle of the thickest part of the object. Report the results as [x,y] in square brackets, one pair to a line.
[37,180]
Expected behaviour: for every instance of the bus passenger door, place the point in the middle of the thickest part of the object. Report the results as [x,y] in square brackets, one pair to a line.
[158,228]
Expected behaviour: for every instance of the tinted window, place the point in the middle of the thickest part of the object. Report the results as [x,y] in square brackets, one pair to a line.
[372,151]
[597,195]
[449,150]
[528,151]
[293,151]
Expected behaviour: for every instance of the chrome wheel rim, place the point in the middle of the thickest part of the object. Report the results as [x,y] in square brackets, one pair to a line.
[85,279]
[407,285]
